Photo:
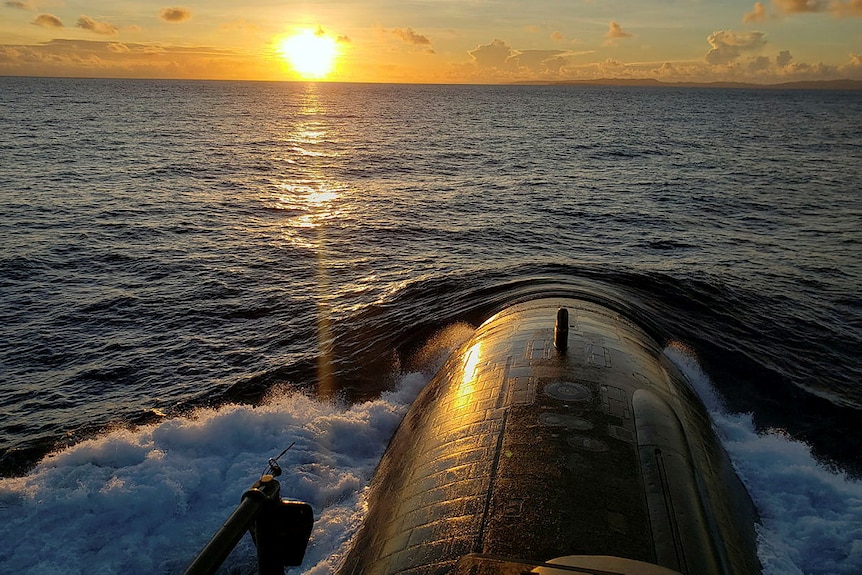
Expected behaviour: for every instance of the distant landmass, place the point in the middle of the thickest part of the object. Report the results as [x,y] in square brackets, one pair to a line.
[805,85]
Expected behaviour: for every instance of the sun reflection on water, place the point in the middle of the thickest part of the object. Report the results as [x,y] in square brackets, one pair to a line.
[309,206]
[311,200]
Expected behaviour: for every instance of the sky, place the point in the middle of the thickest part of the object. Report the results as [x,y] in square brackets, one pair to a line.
[437,41]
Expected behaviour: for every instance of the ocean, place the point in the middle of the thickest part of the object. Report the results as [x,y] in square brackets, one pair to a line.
[194,275]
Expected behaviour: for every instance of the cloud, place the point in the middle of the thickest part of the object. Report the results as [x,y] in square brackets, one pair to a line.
[803,71]
[321,32]
[728,45]
[853,68]
[678,72]
[175,14]
[615,32]
[48,21]
[838,8]
[557,36]
[780,8]
[241,24]
[499,60]
[411,37]
[104,28]
[118,48]
[799,6]
[127,60]
[32,5]
[758,14]
[537,61]
[759,64]
[493,55]
[847,8]
[783,66]
[666,70]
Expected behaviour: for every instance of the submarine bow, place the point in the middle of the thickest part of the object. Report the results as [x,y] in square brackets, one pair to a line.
[548,446]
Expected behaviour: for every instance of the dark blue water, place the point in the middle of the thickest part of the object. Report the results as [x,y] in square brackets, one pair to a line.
[168,246]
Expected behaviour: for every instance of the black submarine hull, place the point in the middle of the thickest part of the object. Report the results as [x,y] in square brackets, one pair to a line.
[525,456]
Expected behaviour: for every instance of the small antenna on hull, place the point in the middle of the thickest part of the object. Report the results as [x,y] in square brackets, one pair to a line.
[561,331]
[273,468]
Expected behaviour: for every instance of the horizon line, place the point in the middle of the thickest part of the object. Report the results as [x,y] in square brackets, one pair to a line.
[836,84]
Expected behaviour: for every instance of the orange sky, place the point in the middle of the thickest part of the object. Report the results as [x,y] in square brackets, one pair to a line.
[439,41]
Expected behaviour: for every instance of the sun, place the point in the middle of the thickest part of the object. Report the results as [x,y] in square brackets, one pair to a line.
[312,54]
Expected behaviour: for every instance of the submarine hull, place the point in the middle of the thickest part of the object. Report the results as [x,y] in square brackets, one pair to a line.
[520,452]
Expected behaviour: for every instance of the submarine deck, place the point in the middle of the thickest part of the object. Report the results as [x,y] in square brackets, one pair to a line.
[520,450]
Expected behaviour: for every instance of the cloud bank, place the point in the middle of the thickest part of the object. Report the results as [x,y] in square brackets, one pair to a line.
[781,8]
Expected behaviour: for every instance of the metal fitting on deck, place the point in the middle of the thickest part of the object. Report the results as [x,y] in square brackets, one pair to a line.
[561,331]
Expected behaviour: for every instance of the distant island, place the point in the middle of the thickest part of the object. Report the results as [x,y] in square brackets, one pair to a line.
[803,85]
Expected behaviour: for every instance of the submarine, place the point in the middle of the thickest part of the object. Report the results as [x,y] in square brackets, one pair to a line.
[559,439]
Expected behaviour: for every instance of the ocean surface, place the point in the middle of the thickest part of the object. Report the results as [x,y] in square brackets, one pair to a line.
[193,275]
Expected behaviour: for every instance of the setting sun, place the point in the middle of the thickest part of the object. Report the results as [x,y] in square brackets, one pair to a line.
[311,54]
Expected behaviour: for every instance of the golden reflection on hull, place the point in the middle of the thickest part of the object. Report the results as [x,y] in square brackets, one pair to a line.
[463,396]
[516,450]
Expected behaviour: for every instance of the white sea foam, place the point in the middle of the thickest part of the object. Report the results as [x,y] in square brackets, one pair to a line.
[146,501]
[811,516]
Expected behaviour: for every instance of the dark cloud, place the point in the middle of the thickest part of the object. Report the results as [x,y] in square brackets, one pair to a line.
[104,28]
[48,21]
[18,5]
[175,14]
[759,64]
[783,58]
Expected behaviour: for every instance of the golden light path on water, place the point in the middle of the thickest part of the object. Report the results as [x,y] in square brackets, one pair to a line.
[310,192]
